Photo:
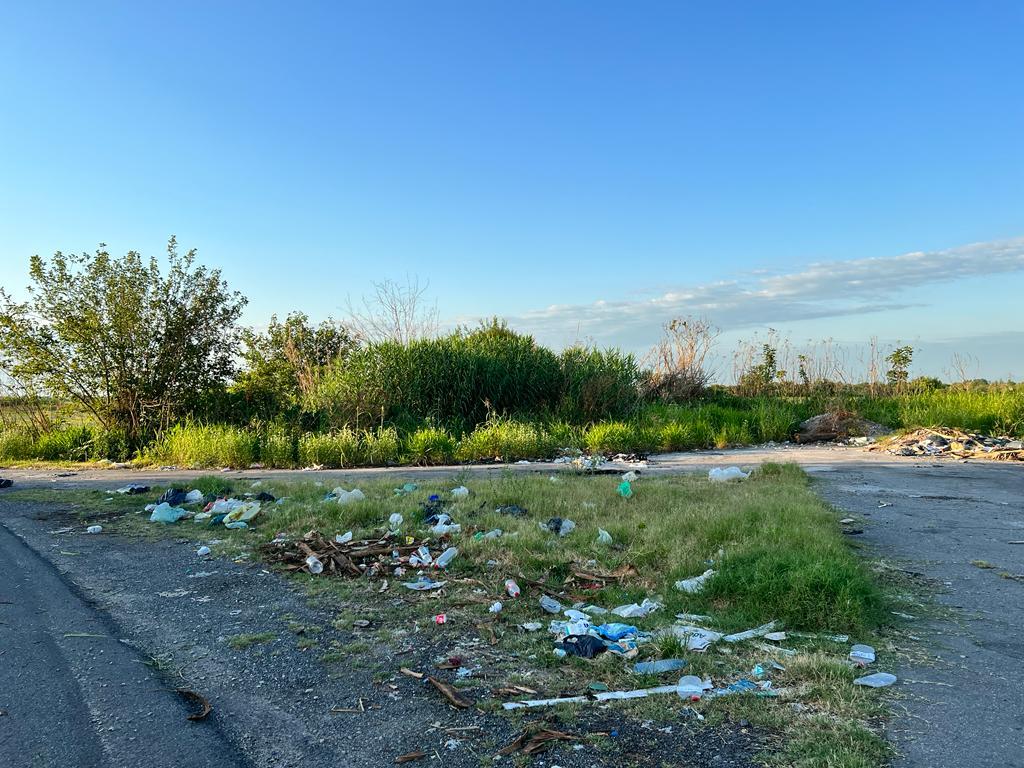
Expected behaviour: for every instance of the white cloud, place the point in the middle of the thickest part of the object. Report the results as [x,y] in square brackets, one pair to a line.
[823,290]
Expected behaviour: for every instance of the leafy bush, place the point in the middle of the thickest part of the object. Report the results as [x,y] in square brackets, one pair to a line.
[619,437]
[278,447]
[205,445]
[430,445]
[382,447]
[466,378]
[67,444]
[508,440]
[333,449]
[112,444]
[598,384]
[17,445]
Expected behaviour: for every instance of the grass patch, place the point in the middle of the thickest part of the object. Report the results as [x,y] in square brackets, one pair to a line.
[777,548]
[243,641]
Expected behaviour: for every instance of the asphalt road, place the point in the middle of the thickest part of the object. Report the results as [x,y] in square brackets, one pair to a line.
[88,701]
[73,692]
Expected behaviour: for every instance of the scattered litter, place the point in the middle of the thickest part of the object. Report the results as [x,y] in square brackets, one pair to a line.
[691,687]
[625,489]
[602,696]
[5,482]
[395,521]
[494,533]
[862,655]
[952,443]
[812,636]
[775,648]
[532,626]
[718,475]
[617,630]
[194,698]
[696,638]
[131,489]
[694,618]
[603,537]
[512,588]
[342,496]
[176,593]
[444,525]
[165,513]
[460,493]
[94,529]
[696,584]
[550,604]
[449,693]
[203,551]
[441,618]
[584,646]
[512,510]
[446,557]
[632,476]
[373,559]
[314,565]
[195,496]
[424,584]
[406,489]
[343,538]
[750,634]
[495,607]
[877,680]
[559,525]
[172,497]
[635,611]
[658,667]
[775,636]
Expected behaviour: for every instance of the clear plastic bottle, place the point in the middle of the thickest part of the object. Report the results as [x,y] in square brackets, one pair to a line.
[512,588]
[446,557]
[314,565]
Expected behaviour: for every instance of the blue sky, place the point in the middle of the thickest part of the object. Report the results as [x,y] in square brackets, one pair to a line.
[533,158]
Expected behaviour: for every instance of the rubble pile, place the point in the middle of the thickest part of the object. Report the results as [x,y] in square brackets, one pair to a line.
[952,443]
[837,425]
[348,558]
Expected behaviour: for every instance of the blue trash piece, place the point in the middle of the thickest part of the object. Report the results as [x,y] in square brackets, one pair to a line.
[617,631]
[659,666]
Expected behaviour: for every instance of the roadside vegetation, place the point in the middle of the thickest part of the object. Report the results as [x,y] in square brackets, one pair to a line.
[114,360]
[777,548]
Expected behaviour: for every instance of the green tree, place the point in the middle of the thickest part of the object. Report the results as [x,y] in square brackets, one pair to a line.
[899,361]
[283,365]
[136,347]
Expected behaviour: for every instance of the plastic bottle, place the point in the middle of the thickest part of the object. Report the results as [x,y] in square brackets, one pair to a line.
[446,557]
[659,666]
[94,529]
[512,588]
[314,565]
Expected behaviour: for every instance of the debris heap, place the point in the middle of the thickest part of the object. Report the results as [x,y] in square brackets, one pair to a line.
[952,443]
[349,558]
